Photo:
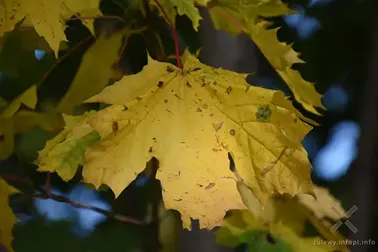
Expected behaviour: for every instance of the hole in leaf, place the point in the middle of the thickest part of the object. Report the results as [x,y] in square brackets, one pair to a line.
[232,163]
[270,238]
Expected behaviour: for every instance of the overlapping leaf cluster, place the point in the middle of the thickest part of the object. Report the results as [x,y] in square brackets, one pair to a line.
[192,120]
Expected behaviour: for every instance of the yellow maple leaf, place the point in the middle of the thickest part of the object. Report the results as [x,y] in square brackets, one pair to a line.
[190,121]
[324,206]
[181,7]
[236,16]
[47,16]
[9,15]
[323,212]
[7,217]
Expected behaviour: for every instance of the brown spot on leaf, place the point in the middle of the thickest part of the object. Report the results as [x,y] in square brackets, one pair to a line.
[115,127]
[228,90]
[209,186]
[199,185]
[199,110]
[154,139]
[205,106]
[150,150]
[218,126]
[165,101]
[177,200]
[178,97]
[232,132]
[203,84]
[227,177]
[188,84]
[196,69]
[160,84]
[125,108]
[170,69]
[138,98]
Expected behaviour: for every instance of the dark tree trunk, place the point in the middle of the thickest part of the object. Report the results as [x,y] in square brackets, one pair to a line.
[366,164]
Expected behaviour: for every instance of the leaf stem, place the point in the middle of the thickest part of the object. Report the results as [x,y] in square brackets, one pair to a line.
[174,33]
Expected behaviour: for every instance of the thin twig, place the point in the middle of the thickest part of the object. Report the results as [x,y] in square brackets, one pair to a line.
[174,33]
[109,214]
[47,73]
[48,184]
[48,195]
[16,179]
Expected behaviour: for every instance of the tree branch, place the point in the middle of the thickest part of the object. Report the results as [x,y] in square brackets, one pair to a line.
[48,195]
[109,214]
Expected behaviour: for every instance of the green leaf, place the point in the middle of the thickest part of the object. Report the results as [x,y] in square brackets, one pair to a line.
[65,152]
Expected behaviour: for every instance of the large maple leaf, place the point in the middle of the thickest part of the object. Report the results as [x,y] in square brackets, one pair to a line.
[190,121]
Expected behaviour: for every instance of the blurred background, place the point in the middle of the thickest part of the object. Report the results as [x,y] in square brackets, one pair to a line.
[338,40]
